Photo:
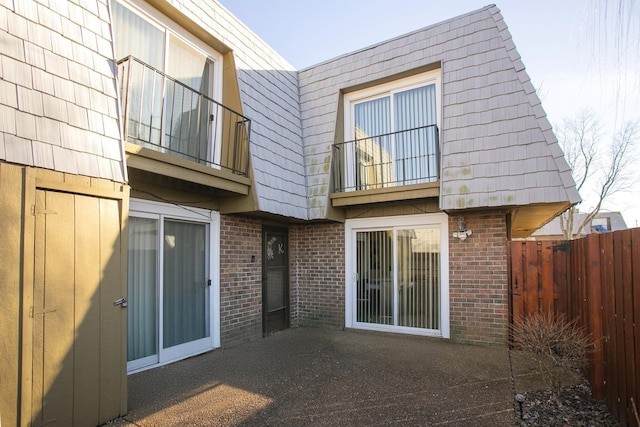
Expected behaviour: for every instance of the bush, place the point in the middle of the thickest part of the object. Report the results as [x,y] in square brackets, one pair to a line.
[556,344]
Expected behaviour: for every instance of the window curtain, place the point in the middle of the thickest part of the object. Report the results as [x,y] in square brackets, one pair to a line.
[374,157]
[416,149]
[188,113]
[142,288]
[184,283]
[139,38]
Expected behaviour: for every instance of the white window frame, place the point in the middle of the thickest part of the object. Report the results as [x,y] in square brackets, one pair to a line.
[172,29]
[162,211]
[387,89]
[352,226]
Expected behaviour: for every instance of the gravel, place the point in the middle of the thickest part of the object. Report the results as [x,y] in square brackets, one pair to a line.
[577,408]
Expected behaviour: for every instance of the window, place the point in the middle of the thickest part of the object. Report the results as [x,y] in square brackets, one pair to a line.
[397,274]
[392,134]
[170,114]
[172,283]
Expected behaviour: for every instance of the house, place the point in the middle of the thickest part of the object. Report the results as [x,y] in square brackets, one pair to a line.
[170,185]
[602,223]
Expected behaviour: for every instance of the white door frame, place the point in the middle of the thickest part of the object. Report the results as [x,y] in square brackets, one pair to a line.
[352,226]
[162,211]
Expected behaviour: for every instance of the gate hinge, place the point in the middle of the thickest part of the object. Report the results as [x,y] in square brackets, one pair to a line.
[32,312]
[564,247]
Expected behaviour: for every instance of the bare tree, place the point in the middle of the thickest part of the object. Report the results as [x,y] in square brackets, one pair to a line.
[600,168]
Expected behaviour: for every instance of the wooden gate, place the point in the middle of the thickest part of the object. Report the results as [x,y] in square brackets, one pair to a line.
[539,277]
[596,282]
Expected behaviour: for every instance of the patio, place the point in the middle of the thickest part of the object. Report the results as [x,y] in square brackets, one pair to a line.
[319,377]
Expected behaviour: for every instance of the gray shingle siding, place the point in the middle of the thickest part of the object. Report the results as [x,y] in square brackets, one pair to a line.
[495,134]
[58,108]
[269,91]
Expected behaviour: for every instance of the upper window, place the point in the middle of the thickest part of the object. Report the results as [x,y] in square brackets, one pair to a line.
[155,40]
[169,82]
[392,134]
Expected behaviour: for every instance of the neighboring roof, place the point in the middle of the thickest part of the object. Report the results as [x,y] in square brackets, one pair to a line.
[498,148]
[614,222]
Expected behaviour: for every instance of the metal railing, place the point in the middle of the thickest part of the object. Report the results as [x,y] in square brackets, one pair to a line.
[166,115]
[393,159]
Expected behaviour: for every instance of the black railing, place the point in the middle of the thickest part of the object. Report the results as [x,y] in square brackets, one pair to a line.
[399,158]
[166,115]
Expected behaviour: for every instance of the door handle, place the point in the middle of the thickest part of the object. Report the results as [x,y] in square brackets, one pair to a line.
[121,301]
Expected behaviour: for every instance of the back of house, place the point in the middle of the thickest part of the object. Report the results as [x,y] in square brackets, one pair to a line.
[170,185]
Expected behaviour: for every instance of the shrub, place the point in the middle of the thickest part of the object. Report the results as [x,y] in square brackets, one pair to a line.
[556,344]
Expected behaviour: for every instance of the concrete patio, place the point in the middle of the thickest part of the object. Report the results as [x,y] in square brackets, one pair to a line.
[320,377]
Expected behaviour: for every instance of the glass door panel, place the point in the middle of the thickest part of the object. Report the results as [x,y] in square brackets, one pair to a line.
[398,277]
[373,157]
[185,289]
[142,327]
[374,293]
[418,259]
[415,146]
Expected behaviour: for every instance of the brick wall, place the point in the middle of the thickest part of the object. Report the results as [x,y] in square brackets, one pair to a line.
[240,280]
[478,282]
[477,279]
[317,268]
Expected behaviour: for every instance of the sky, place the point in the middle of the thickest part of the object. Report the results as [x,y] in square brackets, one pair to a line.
[570,54]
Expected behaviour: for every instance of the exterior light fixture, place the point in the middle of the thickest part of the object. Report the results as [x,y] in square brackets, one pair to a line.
[462,232]
[520,399]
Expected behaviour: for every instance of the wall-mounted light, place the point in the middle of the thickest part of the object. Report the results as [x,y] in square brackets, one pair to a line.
[462,232]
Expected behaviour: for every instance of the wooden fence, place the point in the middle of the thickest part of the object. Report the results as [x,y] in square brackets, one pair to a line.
[595,280]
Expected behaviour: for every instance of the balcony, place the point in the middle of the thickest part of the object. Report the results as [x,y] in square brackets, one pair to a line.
[164,115]
[387,164]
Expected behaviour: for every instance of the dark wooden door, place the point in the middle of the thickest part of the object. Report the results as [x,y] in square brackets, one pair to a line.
[275,280]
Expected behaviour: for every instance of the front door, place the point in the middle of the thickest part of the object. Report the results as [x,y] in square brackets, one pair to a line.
[275,280]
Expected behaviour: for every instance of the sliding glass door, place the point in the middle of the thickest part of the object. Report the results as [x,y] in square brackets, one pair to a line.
[398,274]
[169,296]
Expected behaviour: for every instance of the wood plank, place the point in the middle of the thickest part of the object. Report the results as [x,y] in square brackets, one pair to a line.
[37,383]
[531,282]
[28,280]
[635,272]
[58,324]
[561,279]
[517,281]
[608,313]
[619,318]
[575,290]
[11,211]
[112,365]
[87,313]
[628,320]
[546,277]
[595,315]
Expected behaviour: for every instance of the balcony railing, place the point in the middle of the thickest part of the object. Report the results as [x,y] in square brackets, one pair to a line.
[163,114]
[399,158]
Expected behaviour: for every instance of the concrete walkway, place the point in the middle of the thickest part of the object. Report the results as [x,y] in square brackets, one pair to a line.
[319,377]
